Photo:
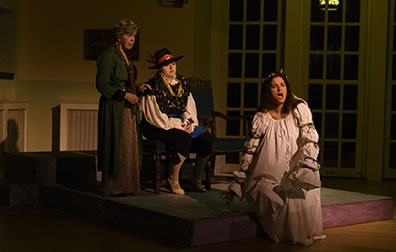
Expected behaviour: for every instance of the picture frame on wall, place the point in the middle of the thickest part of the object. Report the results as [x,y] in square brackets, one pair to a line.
[96,41]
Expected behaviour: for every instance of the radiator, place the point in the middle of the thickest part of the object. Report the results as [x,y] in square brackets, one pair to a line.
[74,127]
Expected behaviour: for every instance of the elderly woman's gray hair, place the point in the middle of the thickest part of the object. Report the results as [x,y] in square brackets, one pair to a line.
[121,28]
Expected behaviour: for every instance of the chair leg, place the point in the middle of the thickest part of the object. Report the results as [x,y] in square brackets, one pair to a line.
[212,161]
[209,171]
[157,176]
[208,184]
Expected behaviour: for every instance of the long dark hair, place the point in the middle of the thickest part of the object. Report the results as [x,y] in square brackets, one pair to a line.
[267,100]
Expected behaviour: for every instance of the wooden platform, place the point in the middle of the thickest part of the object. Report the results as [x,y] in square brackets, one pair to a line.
[66,181]
[202,218]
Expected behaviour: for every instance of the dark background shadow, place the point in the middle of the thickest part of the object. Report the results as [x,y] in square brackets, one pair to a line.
[10,143]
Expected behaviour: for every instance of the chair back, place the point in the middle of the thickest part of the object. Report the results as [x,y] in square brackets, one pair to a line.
[202,93]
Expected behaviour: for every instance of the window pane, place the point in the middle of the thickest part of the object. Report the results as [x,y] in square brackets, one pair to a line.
[393,127]
[235,39]
[253,10]
[269,37]
[335,11]
[315,96]
[348,151]
[317,38]
[234,65]
[252,65]
[332,96]
[250,95]
[394,14]
[334,38]
[317,15]
[233,127]
[317,118]
[252,36]
[352,38]
[392,156]
[333,66]
[350,97]
[251,113]
[269,64]
[349,126]
[330,154]
[232,158]
[315,66]
[270,10]
[331,125]
[351,67]
[353,10]
[394,67]
[236,10]
[393,97]
[234,95]
[394,37]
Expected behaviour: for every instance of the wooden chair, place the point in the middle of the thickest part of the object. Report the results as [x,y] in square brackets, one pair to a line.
[202,93]
[154,154]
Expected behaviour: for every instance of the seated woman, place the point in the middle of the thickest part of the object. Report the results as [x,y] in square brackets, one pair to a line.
[170,115]
[279,175]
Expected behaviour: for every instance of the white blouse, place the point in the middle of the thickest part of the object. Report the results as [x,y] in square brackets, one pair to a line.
[155,117]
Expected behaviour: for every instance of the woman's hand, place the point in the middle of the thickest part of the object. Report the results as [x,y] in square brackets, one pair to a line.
[188,128]
[132,98]
[143,87]
[228,196]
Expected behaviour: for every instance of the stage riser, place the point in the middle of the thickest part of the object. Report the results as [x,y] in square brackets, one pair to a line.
[69,168]
[212,230]
[348,214]
[28,167]
[222,227]
[150,223]
[19,194]
[77,203]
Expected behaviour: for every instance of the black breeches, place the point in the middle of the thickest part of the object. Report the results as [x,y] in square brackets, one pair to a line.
[179,141]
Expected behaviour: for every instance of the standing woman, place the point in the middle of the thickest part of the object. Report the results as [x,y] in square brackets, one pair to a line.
[279,175]
[118,154]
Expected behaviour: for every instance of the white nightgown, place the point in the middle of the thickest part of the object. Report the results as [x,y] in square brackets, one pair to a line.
[279,176]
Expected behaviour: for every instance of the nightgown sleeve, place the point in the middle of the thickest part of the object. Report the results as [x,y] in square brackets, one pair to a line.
[258,128]
[305,167]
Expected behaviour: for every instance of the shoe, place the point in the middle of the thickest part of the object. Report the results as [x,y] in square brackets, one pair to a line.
[197,186]
[175,187]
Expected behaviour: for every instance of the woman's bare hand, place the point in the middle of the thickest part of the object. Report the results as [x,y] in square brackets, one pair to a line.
[132,98]
[143,87]
[188,128]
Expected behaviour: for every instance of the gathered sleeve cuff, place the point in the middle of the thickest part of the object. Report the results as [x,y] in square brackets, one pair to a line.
[191,111]
[307,167]
[155,117]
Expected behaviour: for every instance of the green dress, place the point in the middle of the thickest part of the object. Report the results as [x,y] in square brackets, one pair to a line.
[118,157]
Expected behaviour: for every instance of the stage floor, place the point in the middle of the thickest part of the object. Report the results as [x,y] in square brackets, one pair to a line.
[203,218]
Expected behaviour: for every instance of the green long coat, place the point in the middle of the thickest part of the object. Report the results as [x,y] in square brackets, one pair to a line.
[111,76]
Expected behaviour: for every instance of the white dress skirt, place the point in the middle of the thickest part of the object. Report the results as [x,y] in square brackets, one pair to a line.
[279,176]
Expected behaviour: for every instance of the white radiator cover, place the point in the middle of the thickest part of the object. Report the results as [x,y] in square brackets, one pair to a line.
[75,127]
